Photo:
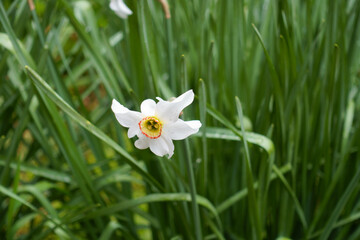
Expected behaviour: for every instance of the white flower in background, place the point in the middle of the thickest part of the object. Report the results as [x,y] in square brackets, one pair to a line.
[119,7]
[158,123]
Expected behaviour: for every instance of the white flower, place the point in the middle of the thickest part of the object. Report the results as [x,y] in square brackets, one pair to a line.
[158,123]
[119,7]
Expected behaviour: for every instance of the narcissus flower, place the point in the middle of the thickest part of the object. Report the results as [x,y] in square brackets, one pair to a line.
[158,123]
[119,7]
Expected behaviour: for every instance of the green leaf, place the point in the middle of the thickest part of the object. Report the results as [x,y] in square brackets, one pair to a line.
[110,228]
[244,192]
[251,137]
[29,205]
[252,201]
[6,43]
[349,191]
[156,197]
[226,134]
[75,116]
[40,171]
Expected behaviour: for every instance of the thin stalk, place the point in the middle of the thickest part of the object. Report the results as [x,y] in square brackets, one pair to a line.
[15,141]
[202,103]
[170,54]
[254,211]
[184,82]
[148,49]
[195,207]
[8,29]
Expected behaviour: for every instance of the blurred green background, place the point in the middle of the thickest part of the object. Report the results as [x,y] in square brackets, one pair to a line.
[276,86]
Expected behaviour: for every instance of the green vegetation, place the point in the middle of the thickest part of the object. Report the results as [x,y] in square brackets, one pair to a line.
[277,92]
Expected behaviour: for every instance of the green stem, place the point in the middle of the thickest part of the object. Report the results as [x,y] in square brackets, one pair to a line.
[253,207]
[195,207]
[204,166]
[170,54]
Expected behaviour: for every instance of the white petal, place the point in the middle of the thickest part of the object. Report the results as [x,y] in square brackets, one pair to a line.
[124,116]
[148,107]
[170,111]
[160,146]
[181,129]
[133,130]
[170,145]
[119,7]
[142,142]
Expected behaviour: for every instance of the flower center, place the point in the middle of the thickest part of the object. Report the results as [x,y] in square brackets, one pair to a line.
[151,127]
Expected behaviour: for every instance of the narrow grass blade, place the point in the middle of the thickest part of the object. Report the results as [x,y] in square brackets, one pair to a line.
[293,196]
[148,43]
[156,197]
[11,213]
[21,223]
[110,228]
[99,62]
[88,126]
[15,141]
[244,192]
[16,197]
[202,108]
[340,205]
[253,208]
[40,171]
[172,69]
[15,45]
[192,183]
[274,75]
[227,134]
[20,53]
[350,219]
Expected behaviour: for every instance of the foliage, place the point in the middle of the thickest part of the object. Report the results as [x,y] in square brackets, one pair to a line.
[276,86]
